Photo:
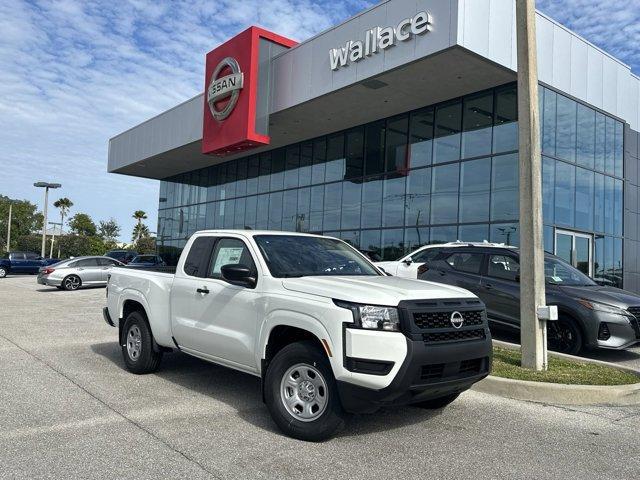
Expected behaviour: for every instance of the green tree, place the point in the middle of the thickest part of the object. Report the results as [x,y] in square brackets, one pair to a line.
[64,205]
[146,245]
[109,230]
[78,245]
[25,219]
[82,224]
[140,230]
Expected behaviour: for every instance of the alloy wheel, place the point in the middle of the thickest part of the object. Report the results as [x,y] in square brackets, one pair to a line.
[560,336]
[72,283]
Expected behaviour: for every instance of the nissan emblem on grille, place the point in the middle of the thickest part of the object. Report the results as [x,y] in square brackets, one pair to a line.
[223,87]
[457,320]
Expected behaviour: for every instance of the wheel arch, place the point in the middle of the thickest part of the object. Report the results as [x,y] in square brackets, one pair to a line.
[130,305]
[281,330]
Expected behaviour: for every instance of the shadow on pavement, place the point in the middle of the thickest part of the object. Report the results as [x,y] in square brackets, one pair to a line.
[242,392]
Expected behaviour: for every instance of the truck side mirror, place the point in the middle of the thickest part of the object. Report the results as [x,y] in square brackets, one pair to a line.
[238,274]
[408,261]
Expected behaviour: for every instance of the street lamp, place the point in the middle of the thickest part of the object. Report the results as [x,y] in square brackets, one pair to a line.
[46,187]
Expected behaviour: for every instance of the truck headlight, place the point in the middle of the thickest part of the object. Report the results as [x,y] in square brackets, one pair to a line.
[373,317]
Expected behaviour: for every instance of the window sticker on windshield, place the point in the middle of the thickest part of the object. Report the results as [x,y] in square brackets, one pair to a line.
[226,256]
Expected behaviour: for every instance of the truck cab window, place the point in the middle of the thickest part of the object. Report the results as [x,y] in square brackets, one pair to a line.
[229,251]
[196,263]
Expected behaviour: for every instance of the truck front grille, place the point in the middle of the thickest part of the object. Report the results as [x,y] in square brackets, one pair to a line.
[429,320]
[438,372]
[635,311]
[454,336]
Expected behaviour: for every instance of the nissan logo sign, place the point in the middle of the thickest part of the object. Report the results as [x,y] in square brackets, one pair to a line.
[457,320]
[228,86]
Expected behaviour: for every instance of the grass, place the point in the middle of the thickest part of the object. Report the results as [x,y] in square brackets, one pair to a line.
[506,364]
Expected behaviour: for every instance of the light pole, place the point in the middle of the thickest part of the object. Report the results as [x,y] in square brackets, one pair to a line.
[46,187]
[9,227]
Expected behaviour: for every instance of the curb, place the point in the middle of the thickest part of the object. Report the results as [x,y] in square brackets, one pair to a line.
[556,393]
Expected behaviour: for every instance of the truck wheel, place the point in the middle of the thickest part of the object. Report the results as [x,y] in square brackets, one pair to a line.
[564,336]
[3,272]
[72,282]
[301,393]
[137,345]
[435,403]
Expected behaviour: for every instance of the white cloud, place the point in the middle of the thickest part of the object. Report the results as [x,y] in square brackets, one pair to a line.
[74,73]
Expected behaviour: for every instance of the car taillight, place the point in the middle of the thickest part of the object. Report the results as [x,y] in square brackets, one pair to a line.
[422,269]
[48,271]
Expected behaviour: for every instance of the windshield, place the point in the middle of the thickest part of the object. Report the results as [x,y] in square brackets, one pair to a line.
[557,272]
[299,256]
[144,259]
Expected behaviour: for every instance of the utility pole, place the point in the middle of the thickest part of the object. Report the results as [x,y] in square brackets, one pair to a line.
[9,227]
[533,332]
[46,187]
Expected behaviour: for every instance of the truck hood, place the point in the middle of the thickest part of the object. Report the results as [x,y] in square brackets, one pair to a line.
[382,290]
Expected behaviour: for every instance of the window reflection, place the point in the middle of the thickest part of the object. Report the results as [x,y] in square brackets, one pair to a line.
[447,132]
[475,183]
[444,194]
[421,137]
[504,187]
[477,123]
[505,131]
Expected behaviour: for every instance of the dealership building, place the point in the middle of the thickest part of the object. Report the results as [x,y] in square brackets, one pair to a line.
[398,128]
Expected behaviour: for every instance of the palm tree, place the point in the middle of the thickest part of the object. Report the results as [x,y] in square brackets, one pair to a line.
[64,205]
[140,230]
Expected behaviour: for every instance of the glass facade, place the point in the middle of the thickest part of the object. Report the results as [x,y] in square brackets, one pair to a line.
[440,173]
[582,184]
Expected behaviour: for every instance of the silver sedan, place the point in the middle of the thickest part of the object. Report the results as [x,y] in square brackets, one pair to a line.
[77,272]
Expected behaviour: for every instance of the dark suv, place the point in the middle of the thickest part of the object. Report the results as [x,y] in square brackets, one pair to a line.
[590,315]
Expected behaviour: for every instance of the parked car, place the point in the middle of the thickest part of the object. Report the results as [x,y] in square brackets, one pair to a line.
[407,266]
[590,315]
[22,262]
[147,260]
[123,256]
[325,330]
[78,272]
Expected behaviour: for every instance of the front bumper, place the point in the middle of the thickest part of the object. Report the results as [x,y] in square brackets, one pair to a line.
[429,371]
[624,332]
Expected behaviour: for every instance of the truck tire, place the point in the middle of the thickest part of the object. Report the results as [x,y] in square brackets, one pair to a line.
[71,282]
[3,272]
[301,393]
[137,345]
[436,403]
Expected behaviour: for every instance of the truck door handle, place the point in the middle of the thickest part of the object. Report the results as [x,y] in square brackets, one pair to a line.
[442,272]
[488,286]
[203,290]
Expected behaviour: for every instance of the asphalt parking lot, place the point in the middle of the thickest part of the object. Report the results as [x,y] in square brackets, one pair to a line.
[68,409]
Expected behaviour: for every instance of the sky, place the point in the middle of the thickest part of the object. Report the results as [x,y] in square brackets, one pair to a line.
[74,73]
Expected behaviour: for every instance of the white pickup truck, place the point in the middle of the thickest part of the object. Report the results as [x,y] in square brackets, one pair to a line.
[326,331]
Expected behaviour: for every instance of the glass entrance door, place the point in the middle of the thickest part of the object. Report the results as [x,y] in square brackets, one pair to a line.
[575,249]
